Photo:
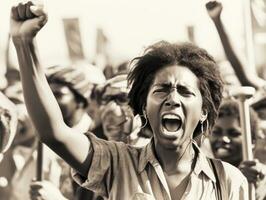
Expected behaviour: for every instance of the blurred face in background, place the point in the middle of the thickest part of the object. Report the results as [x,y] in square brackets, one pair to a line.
[94,112]
[25,130]
[116,115]
[226,140]
[5,129]
[67,101]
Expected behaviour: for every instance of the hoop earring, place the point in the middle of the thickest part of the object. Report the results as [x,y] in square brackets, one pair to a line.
[146,120]
[203,133]
[202,127]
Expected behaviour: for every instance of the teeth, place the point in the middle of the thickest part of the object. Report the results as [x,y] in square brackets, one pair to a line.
[171,122]
[222,152]
[170,116]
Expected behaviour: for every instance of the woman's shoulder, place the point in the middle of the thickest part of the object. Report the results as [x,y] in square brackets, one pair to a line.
[233,174]
[118,146]
[231,169]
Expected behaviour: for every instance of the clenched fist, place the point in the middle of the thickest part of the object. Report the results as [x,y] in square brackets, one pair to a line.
[27,19]
[214,9]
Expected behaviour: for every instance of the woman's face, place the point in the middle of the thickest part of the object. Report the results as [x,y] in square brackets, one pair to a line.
[115,114]
[174,106]
[226,140]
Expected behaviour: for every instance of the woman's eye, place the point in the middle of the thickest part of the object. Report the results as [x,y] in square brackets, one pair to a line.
[186,93]
[234,133]
[122,99]
[105,100]
[216,132]
[160,90]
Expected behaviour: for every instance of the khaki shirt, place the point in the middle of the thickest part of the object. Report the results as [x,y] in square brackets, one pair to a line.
[119,171]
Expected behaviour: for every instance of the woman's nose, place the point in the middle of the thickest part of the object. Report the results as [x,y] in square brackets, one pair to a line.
[225,139]
[173,99]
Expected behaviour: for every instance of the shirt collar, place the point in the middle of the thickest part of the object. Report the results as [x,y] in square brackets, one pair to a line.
[202,164]
[146,155]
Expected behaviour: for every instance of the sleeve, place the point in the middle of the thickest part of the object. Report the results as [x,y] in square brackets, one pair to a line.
[107,156]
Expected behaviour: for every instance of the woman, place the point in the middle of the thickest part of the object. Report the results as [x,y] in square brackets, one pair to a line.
[226,137]
[226,144]
[176,89]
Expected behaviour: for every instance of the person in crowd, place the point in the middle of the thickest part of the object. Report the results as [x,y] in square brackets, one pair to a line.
[72,90]
[226,136]
[245,77]
[8,123]
[118,120]
[259,105]
[22,143]
[25,135]
[226,143]
[116,117]
[175,87]
[8,127]
[72,87]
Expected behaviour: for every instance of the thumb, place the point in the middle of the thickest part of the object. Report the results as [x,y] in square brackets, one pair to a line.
[248,163]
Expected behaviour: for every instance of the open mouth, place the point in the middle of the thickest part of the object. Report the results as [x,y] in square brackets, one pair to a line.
[222,150]
[171,122]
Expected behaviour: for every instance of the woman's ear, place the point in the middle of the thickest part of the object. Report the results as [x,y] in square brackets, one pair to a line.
[204,115]
[144,110]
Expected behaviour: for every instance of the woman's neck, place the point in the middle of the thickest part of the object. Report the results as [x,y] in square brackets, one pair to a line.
[174,162]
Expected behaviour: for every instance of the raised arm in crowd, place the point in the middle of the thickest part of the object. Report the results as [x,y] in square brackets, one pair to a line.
[246,78]
[26,21]
[175,88]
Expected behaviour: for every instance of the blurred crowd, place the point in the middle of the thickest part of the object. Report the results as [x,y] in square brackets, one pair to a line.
[97,101]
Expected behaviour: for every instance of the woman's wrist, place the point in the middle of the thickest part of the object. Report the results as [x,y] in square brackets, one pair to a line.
[22,40]
[217,21]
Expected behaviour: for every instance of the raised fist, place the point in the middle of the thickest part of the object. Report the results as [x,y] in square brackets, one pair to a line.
[27,19]
[214,9]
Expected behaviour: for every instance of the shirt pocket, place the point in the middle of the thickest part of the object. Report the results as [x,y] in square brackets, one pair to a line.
[142,196]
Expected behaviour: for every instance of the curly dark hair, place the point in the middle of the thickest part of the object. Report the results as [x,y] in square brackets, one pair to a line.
[230,108]
[163,54]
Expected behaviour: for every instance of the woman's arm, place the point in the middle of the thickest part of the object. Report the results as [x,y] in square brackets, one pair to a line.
[40,101]
[214,9]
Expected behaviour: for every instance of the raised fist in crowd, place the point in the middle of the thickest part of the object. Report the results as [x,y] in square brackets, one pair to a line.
[27,19]
[214,9]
